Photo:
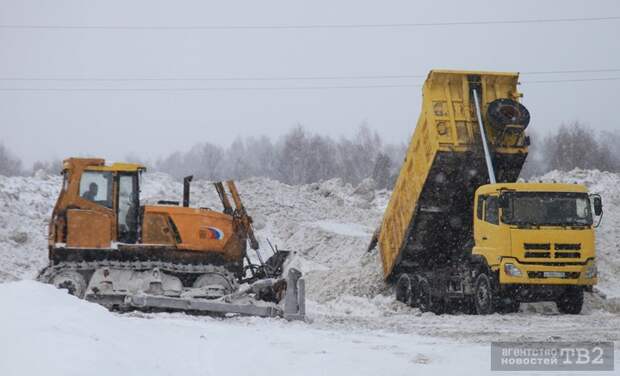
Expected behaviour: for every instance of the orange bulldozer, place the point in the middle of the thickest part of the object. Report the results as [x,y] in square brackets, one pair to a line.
[107,247]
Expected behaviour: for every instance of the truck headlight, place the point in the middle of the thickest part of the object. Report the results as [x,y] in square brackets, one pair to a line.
[591,271]
[512,270]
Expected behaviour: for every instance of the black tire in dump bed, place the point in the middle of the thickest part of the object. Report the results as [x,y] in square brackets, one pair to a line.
[505,111]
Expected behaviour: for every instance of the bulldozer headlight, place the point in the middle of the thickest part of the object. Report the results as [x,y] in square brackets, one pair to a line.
[591,271]
[512,270]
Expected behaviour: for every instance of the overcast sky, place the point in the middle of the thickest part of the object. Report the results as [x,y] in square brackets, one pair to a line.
[57,124]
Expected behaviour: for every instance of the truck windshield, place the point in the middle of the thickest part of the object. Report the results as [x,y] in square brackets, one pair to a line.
[547,209]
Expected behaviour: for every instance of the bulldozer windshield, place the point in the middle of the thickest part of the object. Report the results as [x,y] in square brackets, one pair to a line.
[96,186]
[547,209]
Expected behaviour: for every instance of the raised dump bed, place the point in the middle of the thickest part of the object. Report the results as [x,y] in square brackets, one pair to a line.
[429,215]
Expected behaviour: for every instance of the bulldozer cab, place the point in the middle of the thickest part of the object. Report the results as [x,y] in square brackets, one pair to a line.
[98,204]
[118,190]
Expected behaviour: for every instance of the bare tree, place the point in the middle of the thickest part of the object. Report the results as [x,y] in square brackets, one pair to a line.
[576,146]
[357,156]
[610,142]
[536,163]
[382,171]
[53,167]
[10,165]
[291,156]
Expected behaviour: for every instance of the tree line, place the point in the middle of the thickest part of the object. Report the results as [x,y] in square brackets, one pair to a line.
[300,157]
[570,146]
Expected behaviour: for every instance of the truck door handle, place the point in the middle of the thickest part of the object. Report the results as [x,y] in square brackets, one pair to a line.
[484,238]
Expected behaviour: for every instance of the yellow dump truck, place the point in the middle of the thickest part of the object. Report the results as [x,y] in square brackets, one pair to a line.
[459,233]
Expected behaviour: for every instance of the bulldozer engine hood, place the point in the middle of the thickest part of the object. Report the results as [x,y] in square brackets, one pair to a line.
[193,229]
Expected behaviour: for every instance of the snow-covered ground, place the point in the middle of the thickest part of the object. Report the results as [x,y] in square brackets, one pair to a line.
[60,335]
[354,323]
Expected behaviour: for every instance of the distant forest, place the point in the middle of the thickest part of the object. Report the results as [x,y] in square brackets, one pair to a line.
[300,157]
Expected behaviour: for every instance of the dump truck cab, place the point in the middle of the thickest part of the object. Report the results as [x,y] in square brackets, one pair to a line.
[537,234]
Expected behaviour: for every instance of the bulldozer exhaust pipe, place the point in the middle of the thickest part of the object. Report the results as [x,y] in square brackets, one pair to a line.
[186,181]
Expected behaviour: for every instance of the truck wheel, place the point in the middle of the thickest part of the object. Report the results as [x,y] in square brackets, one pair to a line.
[414,299]
[483,295]
[505,111]
[403,289]
[438,306]
[571,301]
[424,295]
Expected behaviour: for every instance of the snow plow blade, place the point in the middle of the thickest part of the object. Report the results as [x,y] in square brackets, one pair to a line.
[242,302]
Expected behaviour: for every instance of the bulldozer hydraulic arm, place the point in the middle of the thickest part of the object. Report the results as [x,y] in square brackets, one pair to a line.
[246,220]
[219,187]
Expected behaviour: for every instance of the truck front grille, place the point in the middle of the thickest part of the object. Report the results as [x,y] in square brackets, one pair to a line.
[537,250]
[568,246]
[538,254]
[541,275]
[537,246]
[567,255]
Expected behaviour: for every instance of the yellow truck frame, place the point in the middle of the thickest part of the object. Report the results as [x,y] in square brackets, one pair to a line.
[445,240]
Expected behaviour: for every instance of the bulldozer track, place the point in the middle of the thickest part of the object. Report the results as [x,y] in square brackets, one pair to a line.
[46,274]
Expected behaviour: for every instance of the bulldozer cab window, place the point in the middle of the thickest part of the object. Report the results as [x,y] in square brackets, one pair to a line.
[491,210]
[96,186]
[128,204]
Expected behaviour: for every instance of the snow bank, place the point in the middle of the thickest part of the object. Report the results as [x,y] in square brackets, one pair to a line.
[52,333]
[25,207]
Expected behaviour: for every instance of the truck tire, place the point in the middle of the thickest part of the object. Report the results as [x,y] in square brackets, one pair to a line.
[424,295]
[426,301]
[505,111]
[414,299]
[403,289]
[571,301]
[484,299]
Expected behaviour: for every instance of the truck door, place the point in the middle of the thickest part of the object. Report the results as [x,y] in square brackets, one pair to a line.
[487,232]
[128,207]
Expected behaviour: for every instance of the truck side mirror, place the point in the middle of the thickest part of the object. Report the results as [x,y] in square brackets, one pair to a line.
[598,205]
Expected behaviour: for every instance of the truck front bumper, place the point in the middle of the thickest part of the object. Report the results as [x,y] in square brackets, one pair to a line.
[511,271]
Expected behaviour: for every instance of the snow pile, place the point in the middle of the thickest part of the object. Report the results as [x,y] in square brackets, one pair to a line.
[25,208]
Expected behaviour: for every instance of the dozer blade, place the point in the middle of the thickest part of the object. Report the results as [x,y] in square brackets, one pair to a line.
[118,294]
